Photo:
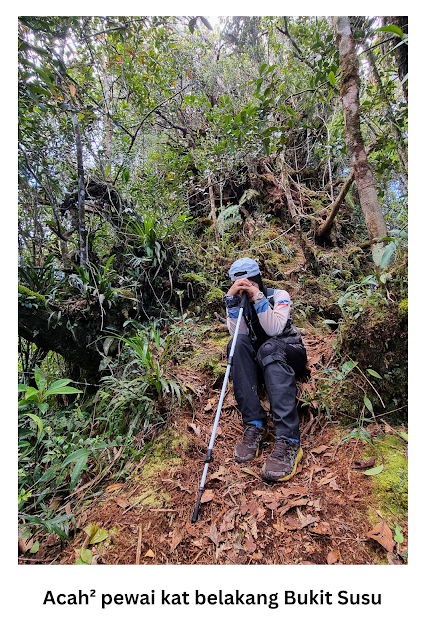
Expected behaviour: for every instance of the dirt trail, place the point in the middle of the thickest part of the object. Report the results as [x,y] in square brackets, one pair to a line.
[318,517]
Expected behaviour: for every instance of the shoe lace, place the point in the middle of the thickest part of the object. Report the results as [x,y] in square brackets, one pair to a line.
[251,433]
[279,450]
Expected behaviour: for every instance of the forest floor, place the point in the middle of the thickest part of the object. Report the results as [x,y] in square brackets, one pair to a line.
[322,515]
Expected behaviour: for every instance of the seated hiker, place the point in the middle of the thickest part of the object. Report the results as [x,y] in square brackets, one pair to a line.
[268,345]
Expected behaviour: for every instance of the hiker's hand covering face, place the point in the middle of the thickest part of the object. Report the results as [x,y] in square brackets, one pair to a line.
[243,284]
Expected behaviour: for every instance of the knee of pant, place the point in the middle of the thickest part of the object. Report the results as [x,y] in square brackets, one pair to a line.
[270,352]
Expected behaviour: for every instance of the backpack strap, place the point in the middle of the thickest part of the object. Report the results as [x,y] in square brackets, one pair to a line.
[270,293]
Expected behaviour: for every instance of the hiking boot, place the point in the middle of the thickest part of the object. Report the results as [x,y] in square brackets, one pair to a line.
[282,463]
[248,447]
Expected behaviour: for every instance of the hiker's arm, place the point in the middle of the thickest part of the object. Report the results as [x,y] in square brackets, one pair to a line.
[232,304]
[274,320]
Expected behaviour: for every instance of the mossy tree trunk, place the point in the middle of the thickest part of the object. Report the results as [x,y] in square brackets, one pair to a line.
[349,90]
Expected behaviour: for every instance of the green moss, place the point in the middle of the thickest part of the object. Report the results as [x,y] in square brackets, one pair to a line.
[390,487]
[36,298]
[195,278]
[214,296]
[403,309]
[124,293]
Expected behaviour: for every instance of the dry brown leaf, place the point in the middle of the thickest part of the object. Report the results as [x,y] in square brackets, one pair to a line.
[150,554]
[326,480]
[24,545]
[213,535]
[333,485]
[207,496]
[198,543]
[195,429]
[393,558]
[260,513]
[114,487]
[320,449]
[272,505]
[293,503]
[121,502]
[305,520]
[257,556]
[177,537]
[383,535]
[333,556]
[218,473]
[322,528]
[190,529]
[210,404]
[228,521]
[218,430]
[250,544]
[265,404]
[280,528]
[364,464]
[249,471]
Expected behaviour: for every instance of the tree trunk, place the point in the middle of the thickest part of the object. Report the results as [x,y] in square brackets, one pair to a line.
[326,226]
[81,193]
[76,334]
[349,90]
[211,194]
[34,325]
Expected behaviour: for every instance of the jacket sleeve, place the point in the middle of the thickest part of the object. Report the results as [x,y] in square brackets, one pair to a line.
[232,311]
[273,320]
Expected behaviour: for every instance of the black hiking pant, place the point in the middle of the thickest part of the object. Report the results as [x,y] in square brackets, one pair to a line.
[277,363]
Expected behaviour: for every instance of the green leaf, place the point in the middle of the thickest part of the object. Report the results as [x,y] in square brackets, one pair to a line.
[329,322]
[61,390]
[76,455]
[398,537]
[22,387]
[387,254]
[86,556]
[374,373]
[108,169]
[35,547]
[59,383]
[31,392]
[403,435]
[262,68]
[374,471]
[348,366]
[79,466]
[80,561]
[368,404]
[332,78]
[108,342]
[206,23]
[98,536]
[37,420]
[126,175]
[392,28]
[39,378]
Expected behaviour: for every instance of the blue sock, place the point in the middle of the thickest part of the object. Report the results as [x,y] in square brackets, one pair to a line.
[258,423]
[291,439]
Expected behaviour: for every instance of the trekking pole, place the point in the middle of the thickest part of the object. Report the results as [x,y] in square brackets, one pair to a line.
[209,457]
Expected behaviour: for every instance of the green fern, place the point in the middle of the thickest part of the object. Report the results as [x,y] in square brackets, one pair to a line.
[229,217]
